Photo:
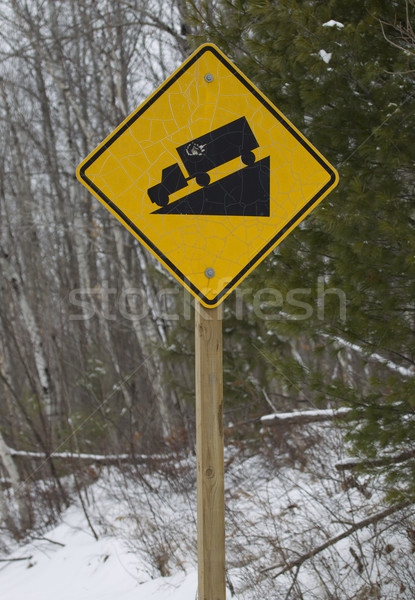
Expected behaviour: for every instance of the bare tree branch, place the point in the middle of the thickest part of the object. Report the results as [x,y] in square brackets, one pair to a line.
[330,542]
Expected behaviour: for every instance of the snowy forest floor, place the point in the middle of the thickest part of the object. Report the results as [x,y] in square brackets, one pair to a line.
[286,505]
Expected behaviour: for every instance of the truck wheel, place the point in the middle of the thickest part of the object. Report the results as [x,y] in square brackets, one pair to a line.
[248,158]
[202,179]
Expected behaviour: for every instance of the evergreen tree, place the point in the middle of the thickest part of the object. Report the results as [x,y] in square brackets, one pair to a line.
[328,67]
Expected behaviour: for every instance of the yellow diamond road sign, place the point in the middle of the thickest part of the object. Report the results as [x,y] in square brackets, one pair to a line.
[208,175]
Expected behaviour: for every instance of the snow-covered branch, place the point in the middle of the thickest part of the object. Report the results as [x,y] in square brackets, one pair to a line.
[305,416]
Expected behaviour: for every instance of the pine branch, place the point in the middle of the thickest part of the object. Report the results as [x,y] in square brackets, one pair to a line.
[330,542]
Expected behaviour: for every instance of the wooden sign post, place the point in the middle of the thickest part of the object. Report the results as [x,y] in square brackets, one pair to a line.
[209,450]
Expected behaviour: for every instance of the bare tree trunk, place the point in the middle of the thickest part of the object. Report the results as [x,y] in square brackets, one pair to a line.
[43,377]
[72,70]
[145,332]
[8,462]
[4,512]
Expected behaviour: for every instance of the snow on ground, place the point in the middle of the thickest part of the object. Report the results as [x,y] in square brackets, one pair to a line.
[284,498]
[85,569]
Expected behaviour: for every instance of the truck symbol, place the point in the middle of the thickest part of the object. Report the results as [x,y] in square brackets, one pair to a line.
[201,155]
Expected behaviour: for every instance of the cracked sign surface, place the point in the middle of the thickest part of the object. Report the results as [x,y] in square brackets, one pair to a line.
[208,175]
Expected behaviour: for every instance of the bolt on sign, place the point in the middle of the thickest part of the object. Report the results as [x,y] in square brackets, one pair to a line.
[208,174]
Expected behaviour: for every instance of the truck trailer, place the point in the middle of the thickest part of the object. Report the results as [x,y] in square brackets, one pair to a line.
[201,155]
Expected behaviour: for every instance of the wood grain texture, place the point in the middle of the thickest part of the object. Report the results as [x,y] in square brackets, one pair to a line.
[209,443]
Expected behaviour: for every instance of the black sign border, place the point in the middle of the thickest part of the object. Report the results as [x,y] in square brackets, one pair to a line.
[273,242]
